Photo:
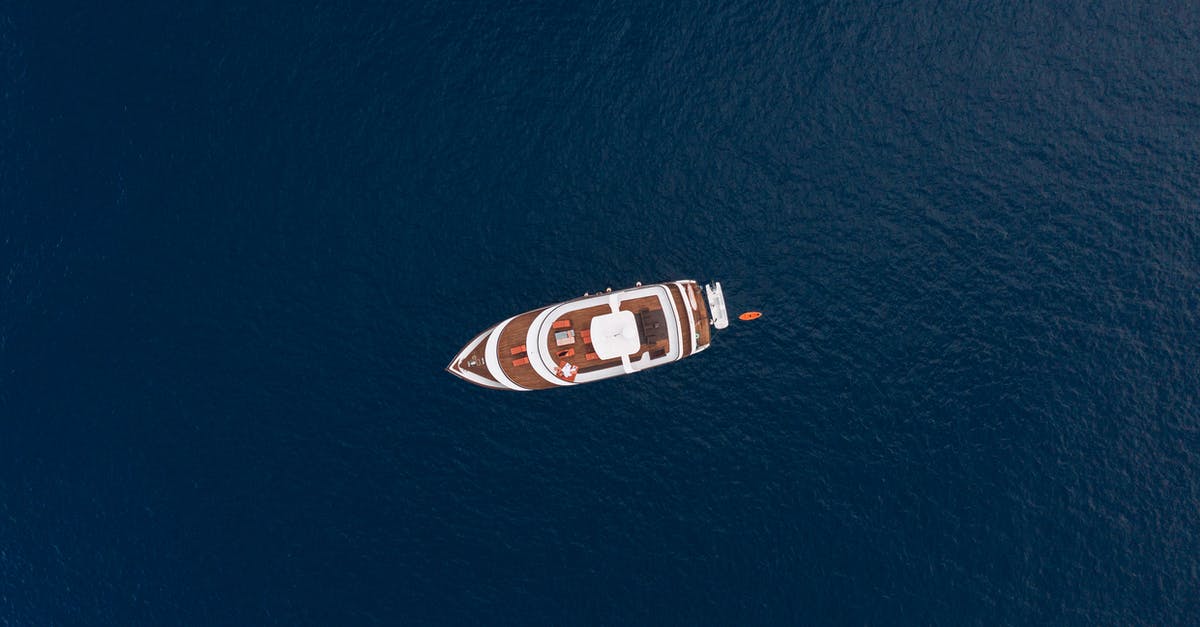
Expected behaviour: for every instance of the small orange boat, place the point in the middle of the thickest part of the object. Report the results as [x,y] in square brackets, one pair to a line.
[750,315]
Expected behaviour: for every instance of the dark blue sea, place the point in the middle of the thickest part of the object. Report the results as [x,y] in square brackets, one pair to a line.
[239,242]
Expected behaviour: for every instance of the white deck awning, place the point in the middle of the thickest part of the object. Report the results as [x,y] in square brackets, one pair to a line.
[614,334]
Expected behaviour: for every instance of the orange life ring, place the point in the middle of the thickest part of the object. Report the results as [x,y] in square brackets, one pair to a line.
[750,315]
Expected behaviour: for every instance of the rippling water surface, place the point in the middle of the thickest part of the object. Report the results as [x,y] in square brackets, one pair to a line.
[240,243]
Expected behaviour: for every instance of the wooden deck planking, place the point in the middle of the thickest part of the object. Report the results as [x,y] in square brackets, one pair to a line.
[480,367]
[652,303]
[479,356]
[514,335]
[581,320]
[682,313]
[700,316]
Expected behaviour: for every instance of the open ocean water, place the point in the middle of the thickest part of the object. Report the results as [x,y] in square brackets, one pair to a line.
[240,242]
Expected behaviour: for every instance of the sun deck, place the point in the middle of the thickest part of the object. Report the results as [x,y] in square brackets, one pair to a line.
[578,352]
[530,351]
[513,353]
[659,332]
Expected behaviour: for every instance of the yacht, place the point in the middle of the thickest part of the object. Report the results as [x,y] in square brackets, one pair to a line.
[594,337]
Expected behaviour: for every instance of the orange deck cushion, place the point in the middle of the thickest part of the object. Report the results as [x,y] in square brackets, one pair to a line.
[591,356]
[521,362]
[587,335]
[517,350]
[561,324]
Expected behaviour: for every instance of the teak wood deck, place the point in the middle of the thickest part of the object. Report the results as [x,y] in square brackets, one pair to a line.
[511,337]
[476,362]
[516,332]
[581,320]
[699,316]
[514,335]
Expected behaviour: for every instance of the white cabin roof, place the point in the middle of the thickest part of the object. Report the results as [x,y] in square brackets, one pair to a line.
[615,334]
